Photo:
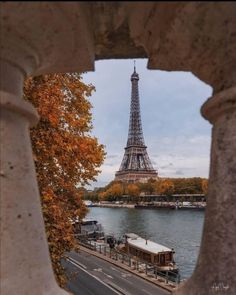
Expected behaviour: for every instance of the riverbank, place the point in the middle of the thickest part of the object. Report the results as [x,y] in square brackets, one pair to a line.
[112,205]
[152,205]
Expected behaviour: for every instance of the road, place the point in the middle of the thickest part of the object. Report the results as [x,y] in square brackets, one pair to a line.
[95,276]
[82,283]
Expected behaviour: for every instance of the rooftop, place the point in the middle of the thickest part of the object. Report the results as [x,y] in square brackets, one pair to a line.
[147,245]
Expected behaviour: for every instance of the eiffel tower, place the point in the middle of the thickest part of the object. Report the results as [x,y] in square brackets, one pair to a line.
[136,165]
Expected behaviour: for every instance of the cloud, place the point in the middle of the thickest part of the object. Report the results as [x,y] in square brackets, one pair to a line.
[110,164]
[112,156]
[167,166]
[179,172]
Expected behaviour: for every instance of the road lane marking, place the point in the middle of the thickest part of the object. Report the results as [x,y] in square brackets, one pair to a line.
[77,262]
[126,275]
[113,268]
[96,278]
[100,270]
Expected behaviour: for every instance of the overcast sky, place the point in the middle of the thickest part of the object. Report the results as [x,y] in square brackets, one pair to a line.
[177,137]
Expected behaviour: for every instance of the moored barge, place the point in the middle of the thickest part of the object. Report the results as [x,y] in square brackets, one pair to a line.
[150,252]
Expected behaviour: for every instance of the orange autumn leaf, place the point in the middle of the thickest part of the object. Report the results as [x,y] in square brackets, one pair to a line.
[66,155]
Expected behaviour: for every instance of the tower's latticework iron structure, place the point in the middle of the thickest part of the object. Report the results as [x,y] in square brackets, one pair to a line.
[136,165]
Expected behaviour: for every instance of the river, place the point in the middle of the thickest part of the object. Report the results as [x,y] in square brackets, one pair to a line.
[178,229]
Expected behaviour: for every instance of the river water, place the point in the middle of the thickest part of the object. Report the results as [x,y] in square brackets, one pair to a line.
[178,229]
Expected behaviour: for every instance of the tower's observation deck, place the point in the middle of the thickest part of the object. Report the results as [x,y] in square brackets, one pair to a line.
[136,165]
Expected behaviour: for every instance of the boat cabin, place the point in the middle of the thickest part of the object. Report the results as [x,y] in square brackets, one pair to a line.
[149,251]
[89,228]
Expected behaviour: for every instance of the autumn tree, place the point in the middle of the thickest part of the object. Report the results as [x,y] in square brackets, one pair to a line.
[165,187]
[204,186]
[148,187]
[191,185]
[102,196]
[133,191]
[116,190]
[92,196]
[66,155]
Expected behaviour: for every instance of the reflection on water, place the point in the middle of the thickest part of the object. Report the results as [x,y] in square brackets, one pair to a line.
[176,229]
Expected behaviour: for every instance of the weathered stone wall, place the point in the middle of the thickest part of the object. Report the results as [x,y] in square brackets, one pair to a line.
[45,37]
[68,36]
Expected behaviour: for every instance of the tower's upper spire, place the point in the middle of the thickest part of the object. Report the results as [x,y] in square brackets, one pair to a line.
[134,76]
[135,136]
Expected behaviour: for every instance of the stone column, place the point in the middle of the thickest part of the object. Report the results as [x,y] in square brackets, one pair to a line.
[216,266]
[25,263]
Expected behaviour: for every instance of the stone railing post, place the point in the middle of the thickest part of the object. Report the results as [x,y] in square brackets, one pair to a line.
[25,262]
[215,270]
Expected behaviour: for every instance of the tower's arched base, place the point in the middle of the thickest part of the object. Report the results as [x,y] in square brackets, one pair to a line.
[135,176]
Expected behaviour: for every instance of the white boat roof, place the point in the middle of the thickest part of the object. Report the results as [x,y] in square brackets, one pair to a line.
[89,219]
[76,220]
[149,246]
[132,236]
